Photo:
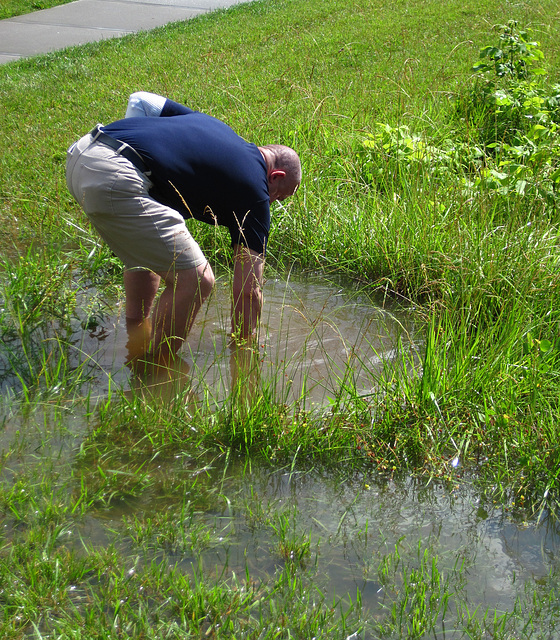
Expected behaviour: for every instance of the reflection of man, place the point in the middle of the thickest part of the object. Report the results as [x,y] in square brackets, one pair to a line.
[138,178]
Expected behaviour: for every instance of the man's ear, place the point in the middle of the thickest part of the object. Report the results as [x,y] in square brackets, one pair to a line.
[276,173]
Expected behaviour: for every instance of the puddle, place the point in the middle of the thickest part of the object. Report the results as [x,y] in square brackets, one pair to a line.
[351,523]
[315,337]
[225,515]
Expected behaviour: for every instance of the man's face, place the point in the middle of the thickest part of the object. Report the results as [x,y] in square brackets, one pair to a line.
[280,188]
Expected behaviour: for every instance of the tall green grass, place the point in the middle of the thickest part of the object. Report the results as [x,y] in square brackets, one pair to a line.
[479,265]
[403,192]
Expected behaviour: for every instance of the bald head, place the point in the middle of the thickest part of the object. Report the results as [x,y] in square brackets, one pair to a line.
[283,170]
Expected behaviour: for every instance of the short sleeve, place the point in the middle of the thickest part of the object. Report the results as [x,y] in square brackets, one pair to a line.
[143,104]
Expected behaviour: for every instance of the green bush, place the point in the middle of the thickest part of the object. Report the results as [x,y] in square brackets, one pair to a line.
[505,139]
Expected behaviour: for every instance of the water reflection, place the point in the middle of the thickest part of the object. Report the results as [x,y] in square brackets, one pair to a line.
[352,523]
[315,339]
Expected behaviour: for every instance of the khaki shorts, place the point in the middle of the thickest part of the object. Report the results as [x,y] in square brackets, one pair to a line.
[142,232]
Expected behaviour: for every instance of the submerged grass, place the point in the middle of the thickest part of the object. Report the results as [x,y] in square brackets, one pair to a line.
[378,100]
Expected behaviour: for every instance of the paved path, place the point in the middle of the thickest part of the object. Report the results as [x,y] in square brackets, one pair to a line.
[91,20]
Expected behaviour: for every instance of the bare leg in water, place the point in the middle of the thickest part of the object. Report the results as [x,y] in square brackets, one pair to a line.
[156,332]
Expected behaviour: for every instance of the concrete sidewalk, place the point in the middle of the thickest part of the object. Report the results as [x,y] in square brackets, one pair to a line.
[91,20]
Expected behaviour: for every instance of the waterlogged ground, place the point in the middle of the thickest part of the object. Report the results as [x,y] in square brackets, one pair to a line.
[342,529]
[316,338]
[395,546]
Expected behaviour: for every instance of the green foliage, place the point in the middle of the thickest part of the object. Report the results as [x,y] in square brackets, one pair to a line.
[516,56]
[513,113]
[392,157]
[35,296]
[35,290]
[508,143]
[41,308]
[509,93]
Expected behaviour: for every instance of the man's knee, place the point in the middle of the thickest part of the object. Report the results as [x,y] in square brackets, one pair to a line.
[199,281]
[206,282]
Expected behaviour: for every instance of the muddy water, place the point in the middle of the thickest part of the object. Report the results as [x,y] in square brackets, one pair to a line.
[353,524]
[316,339]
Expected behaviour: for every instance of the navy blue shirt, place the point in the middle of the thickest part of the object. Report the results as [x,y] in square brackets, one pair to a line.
[203,169]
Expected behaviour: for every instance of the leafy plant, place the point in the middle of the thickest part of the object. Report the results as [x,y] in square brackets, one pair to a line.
[509,94]
[515,57]
[508,143]
[393,156]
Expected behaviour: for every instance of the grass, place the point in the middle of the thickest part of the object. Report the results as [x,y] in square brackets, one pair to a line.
[13,8]
[383,106]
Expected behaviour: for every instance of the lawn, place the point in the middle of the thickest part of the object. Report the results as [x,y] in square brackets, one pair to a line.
[427,183]
[13,8]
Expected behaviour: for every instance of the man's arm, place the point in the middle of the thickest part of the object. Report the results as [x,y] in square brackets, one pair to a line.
[247,293]
[143,104]
[246,310]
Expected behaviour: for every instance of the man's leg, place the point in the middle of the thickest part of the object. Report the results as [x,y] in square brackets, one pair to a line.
[176,309]
[141,287]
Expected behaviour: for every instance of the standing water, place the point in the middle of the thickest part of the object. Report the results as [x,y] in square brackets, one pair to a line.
[315,339]
[404,547]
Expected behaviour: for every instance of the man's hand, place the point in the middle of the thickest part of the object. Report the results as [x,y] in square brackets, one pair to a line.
[246,310]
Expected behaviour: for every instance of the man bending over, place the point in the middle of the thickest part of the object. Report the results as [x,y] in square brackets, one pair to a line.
[137,179]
